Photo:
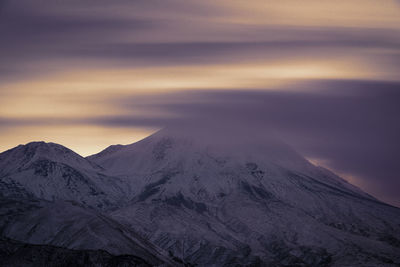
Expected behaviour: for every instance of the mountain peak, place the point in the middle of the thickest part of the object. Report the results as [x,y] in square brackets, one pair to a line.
[47,150]
[24,155]
[35,143]
[43,147]
[205,152]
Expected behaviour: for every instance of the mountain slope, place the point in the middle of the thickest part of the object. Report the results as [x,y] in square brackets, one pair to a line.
[14,253]
[218,202]
[72,226]
[208,198]
[52,172]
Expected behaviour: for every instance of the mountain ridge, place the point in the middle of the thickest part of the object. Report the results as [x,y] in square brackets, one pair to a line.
[212,203]
[51,171]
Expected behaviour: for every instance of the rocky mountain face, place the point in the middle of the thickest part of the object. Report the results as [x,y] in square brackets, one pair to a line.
[72,226]
[177,199]
[14,253]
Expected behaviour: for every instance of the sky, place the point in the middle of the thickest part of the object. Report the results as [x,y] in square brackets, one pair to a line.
[322,75]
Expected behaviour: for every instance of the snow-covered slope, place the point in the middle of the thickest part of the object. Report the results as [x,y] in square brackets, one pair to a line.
[52,172]
[168,148]
[72,226]
[217,202]
[210,200]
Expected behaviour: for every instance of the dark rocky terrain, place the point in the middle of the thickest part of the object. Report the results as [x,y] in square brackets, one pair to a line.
[14,253]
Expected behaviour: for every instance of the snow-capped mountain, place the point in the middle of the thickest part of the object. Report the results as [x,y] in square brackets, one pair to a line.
[211,200]
[170,149]
[52,172]
[50,195]
[220,202]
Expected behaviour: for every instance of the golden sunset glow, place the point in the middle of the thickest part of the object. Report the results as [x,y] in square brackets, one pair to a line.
[354,13]
[89,92]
